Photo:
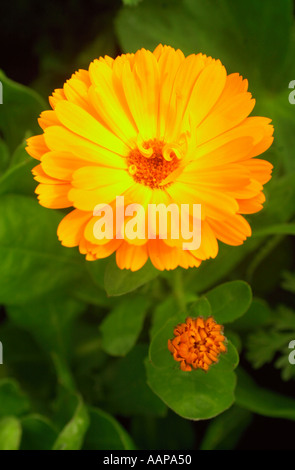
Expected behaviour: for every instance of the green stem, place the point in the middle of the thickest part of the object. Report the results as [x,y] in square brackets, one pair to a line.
[178,289]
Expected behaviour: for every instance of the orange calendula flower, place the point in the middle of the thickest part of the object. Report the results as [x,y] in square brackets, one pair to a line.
[197,343]
[155,128]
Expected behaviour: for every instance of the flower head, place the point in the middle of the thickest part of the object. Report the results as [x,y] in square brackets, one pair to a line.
[197,343]
[157,128]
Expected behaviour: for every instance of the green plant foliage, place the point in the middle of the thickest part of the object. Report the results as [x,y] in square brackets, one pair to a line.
[127,390]
[224,432]
[190,394]
[121,328]
[12,400]
[38,433]
[261,400]
[72,435]
[84,359]
[18,114]
[106,433]
[271,338]
[193,395]
[231,31]
[117,282]
[23,257]
[229,301]
[10,433]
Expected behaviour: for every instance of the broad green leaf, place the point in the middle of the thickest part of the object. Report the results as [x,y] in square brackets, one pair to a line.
[38,433]
[19,112]
[127,391]
[72,435]
[86,290]
[282,112]
[10,433]
[224,431]
[196,394]
[240,34]
[121,327]
[257,315]
[48,319]
[119,282]
[229,301]
[158,351]
[18,178]
[32,259]
[96,270]
[192,394]
[167,309]
[261,400]
[105,433]
[12,400]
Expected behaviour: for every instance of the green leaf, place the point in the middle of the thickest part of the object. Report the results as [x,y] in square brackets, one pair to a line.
[281,111]
[86,290]
[10,433]
[121,327]
[224,431]
[96,270]
[38,433]
[263,345]
[72,435]
[261,400]
[229,301]
[213,271]
[167,309]
[196,395]
[12,400]
[127,391]
[49,319]
[105,433]
[19,111]
[279,229]
[158,351]
[257,315]
[18,178]
[240,34]
[119,282]
[28,242]
[192,394]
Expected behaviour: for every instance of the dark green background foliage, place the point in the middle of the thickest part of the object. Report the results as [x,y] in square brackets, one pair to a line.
[86,364]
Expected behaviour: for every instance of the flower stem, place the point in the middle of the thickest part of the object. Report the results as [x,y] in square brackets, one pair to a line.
[178,289]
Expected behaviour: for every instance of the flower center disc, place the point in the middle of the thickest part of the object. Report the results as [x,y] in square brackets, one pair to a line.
[148,166]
